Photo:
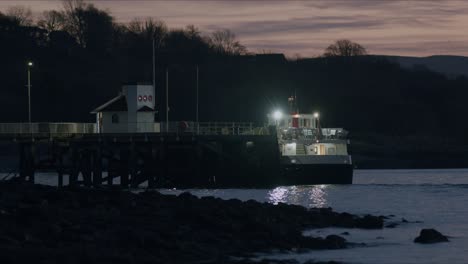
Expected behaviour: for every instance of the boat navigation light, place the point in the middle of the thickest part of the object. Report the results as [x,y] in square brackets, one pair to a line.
[316,115]
[277,115]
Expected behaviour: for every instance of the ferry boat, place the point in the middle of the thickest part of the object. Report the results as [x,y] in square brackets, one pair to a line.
[310,154]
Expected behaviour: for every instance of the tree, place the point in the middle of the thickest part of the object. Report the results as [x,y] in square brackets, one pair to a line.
[344,48]
[52,21]
[22,15]
[224,42]
[149,29]
[91,27]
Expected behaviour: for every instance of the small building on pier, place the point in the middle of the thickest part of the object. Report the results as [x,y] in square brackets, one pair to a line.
[131,111]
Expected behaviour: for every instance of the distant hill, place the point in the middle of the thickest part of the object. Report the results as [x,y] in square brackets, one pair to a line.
[451,66]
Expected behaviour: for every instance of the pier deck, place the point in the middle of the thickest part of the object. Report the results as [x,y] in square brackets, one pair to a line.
[224,157]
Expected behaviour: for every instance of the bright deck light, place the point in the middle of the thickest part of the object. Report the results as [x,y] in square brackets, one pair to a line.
[277,115]
[30,64]
[316,115]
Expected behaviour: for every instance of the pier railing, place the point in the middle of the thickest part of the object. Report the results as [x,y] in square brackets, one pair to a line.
[214,128]
[47,128]
[178,127]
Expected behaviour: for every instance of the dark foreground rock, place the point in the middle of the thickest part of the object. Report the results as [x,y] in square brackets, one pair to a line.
[40,224]
[427,236]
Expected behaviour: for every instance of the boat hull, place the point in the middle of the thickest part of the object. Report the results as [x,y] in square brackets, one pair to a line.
[310,174]
[317,169]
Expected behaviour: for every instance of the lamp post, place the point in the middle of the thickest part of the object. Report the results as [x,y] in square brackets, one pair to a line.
[30,65]
[197,121]
[167,100]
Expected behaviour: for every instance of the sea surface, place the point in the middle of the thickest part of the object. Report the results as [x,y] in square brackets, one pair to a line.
[426,198]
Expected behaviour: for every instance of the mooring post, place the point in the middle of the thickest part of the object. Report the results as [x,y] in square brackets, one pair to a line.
[198,161]
[163,162]
[74,170]
[152,158]
[124,165]
[33,158]
[26,166]
[97,166]
[22,161]
[60,167]
[132,163]
[86,167]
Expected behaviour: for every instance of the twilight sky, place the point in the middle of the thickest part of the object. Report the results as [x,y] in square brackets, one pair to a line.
[413,28]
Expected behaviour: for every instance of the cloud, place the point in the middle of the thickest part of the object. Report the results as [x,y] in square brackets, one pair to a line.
[307,27]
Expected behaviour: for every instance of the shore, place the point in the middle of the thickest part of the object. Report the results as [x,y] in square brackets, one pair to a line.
[41,224]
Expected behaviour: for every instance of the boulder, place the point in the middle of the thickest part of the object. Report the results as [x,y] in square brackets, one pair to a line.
[335,242]
[427,236]
[370,222]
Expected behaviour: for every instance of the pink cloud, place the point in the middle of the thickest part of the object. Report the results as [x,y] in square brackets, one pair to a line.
[307,27]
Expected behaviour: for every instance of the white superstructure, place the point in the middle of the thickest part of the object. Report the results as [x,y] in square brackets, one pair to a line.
[303,140]
[132,111]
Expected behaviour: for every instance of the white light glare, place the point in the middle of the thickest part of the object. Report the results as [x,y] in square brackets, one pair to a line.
[277,115]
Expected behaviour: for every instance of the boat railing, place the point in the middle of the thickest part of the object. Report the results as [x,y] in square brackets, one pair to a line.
[312,133]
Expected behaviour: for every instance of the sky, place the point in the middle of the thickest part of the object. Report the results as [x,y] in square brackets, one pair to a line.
[305,28]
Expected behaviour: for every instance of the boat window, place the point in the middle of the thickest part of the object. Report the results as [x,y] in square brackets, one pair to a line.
[316,150]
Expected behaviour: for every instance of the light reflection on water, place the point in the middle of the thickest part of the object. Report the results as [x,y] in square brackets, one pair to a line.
[315,194]
[278,195]
[318,196]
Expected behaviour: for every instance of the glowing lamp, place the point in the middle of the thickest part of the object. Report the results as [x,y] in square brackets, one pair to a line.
[316,115]
[277,115]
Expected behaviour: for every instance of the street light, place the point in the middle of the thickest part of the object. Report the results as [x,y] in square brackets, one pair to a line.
[30,65]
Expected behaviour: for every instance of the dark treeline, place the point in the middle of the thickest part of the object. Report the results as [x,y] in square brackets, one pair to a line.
[82,57]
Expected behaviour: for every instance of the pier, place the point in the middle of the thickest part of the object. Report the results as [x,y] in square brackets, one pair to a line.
[188,155]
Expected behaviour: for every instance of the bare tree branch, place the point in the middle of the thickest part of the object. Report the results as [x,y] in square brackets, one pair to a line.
[21,14]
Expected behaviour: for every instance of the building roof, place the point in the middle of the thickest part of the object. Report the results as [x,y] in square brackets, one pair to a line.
[145,108]
[116,104]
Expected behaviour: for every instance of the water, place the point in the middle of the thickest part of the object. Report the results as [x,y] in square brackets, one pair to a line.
[437,198]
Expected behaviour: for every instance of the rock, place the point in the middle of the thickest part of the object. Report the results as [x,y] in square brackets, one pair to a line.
[427,236]
[391,225]
[50,223]
[370,222]
[336,242]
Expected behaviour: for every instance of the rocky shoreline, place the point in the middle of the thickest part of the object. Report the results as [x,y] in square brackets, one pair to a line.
[42,224]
